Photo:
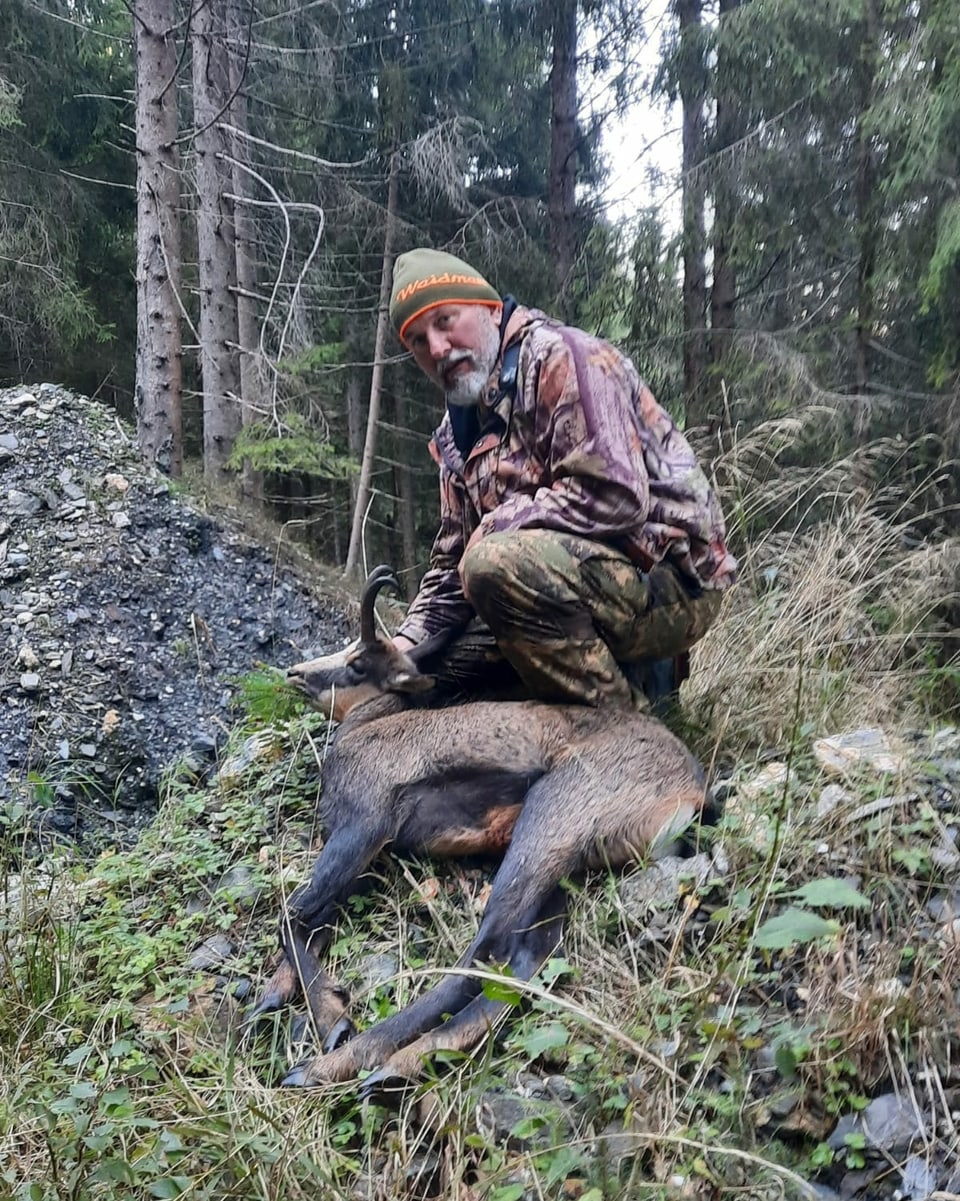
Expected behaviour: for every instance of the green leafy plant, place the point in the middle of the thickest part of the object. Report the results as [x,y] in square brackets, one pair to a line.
[291,447]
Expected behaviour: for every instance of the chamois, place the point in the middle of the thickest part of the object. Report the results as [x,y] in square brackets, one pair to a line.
[554,789]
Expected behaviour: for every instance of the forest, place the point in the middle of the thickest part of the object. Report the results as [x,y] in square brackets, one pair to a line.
[759,201]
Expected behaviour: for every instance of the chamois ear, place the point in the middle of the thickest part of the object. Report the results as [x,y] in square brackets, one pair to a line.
[405,680]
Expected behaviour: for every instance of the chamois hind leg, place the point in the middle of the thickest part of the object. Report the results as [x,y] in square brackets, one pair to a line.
[306,929]
[474,1023]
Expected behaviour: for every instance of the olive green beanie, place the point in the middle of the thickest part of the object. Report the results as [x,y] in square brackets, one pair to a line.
[424,279]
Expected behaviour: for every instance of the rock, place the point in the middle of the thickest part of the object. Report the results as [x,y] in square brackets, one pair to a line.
[239,881]
[832,797]
[771,776]
[22,504]
[259,747]
[520,1123]
[212,953]
[863,748]
[949,932]
[946,907]
[889,1124]
[920,1178]
[377,970]
[616,1142]
[139,633]
[660,885]
[27,657]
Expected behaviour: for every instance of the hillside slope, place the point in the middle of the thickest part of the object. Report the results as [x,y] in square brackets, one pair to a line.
[126,616]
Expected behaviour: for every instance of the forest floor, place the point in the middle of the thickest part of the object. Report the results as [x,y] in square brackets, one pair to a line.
[775,1015]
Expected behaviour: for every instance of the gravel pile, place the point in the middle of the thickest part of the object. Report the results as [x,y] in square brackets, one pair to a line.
[126,618]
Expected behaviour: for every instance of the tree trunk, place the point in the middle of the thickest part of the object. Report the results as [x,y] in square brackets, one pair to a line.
[406,502]
[692,94]
[561,198]
[866,217]
[158,390]
[379,349]
[253,394]
[216,243]
[723,298]
[355,423]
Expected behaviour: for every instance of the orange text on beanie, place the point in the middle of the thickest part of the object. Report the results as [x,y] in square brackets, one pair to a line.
[424,279]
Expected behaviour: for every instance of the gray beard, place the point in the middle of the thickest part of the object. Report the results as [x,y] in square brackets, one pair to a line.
[468,387]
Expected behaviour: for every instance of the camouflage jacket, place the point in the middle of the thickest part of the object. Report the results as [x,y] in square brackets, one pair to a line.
[581,447]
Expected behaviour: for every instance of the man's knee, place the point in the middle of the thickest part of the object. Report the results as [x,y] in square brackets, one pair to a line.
[489,570]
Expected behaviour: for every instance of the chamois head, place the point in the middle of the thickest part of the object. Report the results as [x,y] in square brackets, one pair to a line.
[370,667]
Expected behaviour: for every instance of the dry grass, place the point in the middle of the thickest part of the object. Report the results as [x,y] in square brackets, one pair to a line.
[843,612]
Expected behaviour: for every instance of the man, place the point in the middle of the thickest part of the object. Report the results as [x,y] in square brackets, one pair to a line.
[575,520]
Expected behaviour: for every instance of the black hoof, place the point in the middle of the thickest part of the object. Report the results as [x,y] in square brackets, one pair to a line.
[339,1033]
[302,1032]
[270,1002]
[254,1022]
[297,1077]
[385,1088]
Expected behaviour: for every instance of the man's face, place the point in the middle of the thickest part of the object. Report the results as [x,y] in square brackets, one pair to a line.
[457,346]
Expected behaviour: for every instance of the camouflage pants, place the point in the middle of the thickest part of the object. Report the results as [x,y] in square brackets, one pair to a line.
[566,612]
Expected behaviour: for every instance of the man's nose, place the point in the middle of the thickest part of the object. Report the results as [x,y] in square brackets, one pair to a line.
[438,344]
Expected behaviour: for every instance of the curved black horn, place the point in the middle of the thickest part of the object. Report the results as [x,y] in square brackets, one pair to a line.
[381,577]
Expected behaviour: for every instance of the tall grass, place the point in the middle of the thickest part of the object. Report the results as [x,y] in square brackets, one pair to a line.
[848,595]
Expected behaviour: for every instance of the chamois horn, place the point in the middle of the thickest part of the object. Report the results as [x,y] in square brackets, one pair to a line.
[381,577]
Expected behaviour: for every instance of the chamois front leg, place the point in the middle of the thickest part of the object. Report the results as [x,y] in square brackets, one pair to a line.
[307,926]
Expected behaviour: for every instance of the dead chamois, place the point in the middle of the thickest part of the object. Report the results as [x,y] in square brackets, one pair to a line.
[553,789]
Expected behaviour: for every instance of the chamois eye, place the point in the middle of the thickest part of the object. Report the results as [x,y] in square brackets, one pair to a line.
[359,669]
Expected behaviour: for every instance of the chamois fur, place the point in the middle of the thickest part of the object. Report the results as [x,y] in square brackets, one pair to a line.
[552,789]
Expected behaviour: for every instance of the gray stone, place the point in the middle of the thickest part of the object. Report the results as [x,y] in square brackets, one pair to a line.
[869,748]
[889,1124]
[659,886]
[377,970]
[239,882]
[919,1178]
[211,953]
[616,1142]
[521,1123]
[23,504]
